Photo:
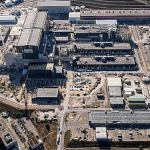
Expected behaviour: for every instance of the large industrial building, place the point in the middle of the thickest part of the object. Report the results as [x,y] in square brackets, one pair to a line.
[105,63]
[119,118]
[29,43]
[54,7]
[120,15]
[8,19]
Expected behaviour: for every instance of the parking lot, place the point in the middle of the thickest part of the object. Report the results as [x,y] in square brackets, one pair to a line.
[24,129]
[129,135]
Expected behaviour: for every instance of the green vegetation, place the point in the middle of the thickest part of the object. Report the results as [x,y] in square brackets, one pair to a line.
[67,138]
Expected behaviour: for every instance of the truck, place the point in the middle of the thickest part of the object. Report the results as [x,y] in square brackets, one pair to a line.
[58,139]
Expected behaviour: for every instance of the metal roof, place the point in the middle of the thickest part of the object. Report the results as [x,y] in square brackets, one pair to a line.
[5,18]
[48,66]
[53,3]
[47,93]
[29,22]
[35,19]
[114,91]
[116,13]
[106,22]
[136,98]
[118,60]
[117,117]
[35,37]
[114,82]
[41,19]
[116,46]
[30,37]
[116,101]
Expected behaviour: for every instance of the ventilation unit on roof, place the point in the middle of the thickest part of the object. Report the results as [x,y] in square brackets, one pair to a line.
[98,11]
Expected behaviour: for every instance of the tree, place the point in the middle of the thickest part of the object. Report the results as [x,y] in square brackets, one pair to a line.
[140,147]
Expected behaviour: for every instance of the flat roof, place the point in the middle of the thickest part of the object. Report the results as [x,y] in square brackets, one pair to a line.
[47,93]
[4,131]
[35,20]
[114,91]
[116,101]
[29,22]
[40,19]
[136,98]
[118,61]
[106,22]
[53,3]
[116,13]
[58,69]
[116,46]
[48,66]
[117,117]
[30,37]
[114,82]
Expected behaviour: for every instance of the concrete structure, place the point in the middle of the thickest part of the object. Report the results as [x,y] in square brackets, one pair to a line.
[101,134]
[137,100]
[54,7]
[74,17]
[29,43]
[49,94]
[4,33]
[41,70]
[35,20]
[105,63]
[114,82]
[114,91]
[119,118]
[109,48]
[116,101]
[15,11]
[7,137]
[8,20]
[119,15]
[8,3]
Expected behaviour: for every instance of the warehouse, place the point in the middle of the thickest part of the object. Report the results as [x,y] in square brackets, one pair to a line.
[105,63]
[101,134]
[114,91]
[35,20]
[50,94]
[29,43]
[8,20]
[137,100]
[41,70]
[116,102]
[114,82]
[94,32]
[119,15]
[54,7]
[119,118]
[110,48]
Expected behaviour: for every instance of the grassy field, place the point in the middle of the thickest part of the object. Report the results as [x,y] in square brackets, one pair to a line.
[49,131]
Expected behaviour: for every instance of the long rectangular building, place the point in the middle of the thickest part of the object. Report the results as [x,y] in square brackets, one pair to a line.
[120,15]
[29,43]
[116,49]
[106,63]
[119,117]
[54,7]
